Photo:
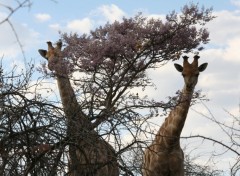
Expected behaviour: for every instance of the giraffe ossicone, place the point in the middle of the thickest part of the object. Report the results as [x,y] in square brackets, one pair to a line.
[164,157]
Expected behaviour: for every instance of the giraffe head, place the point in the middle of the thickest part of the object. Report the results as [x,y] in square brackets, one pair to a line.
[191,71]
[53,55]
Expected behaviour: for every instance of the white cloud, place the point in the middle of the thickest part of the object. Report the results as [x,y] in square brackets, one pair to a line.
[235,2]
[82,26]
[97,17]
[111,12]
[225,27]
[55,26]
[42,17]
[77,25]
[232,52]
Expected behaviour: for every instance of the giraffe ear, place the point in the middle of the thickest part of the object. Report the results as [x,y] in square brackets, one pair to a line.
[202,67]
[43,53]
[178,67]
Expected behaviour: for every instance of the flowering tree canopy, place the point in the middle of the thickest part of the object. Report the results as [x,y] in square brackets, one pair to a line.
[107,64]
[104,65]
[114,58]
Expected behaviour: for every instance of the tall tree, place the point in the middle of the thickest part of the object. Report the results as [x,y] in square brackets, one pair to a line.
[113,59]
[104,66]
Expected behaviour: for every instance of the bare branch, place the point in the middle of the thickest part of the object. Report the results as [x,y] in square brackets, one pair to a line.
[21,4]
[213,140]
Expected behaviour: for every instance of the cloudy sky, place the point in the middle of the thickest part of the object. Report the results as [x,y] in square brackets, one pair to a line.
[220,82]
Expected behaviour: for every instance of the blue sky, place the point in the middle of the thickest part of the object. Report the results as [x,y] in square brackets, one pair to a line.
[220,82]
[46,17]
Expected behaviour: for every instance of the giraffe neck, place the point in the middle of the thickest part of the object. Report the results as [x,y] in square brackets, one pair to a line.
[71,107]
[170,131]
[67,94]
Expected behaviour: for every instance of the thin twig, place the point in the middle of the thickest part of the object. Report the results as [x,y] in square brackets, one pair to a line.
[213,140]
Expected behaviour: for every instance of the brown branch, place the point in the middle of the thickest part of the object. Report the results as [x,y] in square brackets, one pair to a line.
[213,140]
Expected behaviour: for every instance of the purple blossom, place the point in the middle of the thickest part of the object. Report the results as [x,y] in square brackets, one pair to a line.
[115,56]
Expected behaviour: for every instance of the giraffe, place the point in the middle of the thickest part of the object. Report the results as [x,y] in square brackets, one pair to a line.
[90,155]
[164,157]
